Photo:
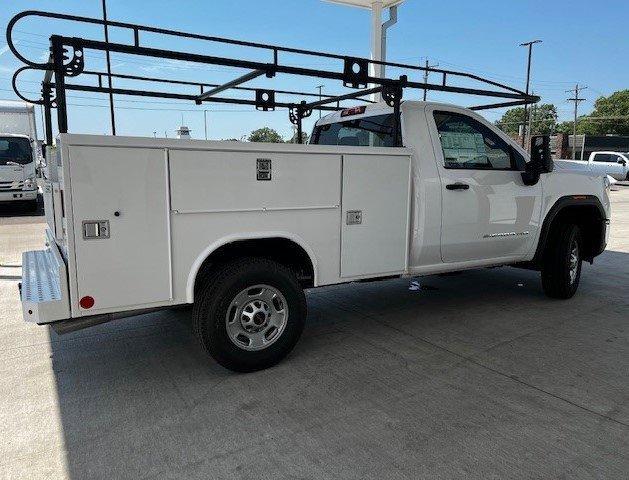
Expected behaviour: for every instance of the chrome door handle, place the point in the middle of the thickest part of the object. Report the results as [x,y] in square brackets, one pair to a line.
[458,186]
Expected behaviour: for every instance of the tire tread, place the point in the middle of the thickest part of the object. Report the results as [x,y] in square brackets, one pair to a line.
[553,270]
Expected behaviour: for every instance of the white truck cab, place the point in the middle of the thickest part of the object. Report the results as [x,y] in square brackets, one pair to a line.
[18,153]
[614,164]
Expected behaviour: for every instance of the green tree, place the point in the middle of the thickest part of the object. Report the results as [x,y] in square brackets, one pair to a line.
[610,117]
[265,135]
[304,138]
[543,119]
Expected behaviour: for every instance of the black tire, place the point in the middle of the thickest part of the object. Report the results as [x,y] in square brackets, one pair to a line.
[557,280]
[221,287]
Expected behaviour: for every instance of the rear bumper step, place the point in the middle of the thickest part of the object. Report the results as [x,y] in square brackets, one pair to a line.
[44,286]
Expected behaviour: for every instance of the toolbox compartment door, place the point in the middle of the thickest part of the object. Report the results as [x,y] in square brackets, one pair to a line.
[375,213]
[125,261]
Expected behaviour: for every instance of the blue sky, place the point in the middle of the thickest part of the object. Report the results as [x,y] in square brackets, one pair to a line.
[584,42]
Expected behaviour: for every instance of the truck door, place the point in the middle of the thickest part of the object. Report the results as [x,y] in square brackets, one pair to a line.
[487,211]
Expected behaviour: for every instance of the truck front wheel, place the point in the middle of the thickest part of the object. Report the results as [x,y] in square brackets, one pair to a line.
[249,314]
[561,270]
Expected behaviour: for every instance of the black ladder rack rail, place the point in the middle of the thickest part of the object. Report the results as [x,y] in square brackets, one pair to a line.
[67,60]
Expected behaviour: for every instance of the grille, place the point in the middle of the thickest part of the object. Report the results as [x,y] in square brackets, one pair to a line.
[13,185]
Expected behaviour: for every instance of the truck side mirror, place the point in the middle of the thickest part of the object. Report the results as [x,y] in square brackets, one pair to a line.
[541,160]
[622,162]
[540,153]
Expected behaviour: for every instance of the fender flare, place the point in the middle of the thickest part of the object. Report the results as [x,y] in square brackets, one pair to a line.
[558,206]
[206,252]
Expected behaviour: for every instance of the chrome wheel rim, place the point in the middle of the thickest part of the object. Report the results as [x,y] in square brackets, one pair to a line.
[574,261]
[256,317]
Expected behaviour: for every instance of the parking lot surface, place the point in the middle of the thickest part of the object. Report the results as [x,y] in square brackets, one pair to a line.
[476,375]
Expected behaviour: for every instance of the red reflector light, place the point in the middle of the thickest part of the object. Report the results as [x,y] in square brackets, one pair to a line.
[353,111]
[86,302]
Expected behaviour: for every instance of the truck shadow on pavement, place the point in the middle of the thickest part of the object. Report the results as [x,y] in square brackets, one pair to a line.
[386,379]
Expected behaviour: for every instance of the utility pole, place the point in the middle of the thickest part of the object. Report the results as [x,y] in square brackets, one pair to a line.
[531,116]
[205,122]
[320,87]
[576,101]
[426,75]
[528,81]
[111,95]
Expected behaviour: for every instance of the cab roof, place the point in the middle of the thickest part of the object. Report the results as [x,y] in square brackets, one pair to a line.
[372,109]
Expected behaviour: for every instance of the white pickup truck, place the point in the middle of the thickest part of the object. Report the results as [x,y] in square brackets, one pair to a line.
[614,164]
[239,229]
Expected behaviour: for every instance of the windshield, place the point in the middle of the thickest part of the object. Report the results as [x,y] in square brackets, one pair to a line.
[16,150]
[376,131]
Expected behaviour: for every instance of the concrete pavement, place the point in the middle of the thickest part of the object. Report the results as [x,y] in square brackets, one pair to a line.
[477,375]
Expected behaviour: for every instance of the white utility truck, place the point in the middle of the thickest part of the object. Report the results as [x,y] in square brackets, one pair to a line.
[18,153]
[614,164]
[239,230]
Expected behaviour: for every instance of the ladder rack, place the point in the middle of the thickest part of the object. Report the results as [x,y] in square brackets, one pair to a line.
[67,60]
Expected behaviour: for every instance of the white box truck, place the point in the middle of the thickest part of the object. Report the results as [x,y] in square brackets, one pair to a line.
[19,153]
[238,230]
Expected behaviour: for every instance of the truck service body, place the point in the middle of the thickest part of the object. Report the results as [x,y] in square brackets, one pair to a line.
[239,230]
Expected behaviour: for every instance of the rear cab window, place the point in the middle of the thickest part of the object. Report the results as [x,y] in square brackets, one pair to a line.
[374,131]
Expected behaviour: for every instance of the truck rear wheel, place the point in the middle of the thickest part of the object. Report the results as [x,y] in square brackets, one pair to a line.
[249,314]
[561,271]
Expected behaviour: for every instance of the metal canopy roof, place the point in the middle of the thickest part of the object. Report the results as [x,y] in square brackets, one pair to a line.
[367,3]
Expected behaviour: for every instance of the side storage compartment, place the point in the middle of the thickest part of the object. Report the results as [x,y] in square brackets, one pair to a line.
[121,220]
[375,221]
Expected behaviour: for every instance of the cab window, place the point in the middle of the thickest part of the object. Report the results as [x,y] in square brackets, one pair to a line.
[603,157]
[468,144]
[375,131]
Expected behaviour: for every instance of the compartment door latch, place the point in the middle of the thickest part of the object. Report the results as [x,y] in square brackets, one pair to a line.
[354,217]
[94,229]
